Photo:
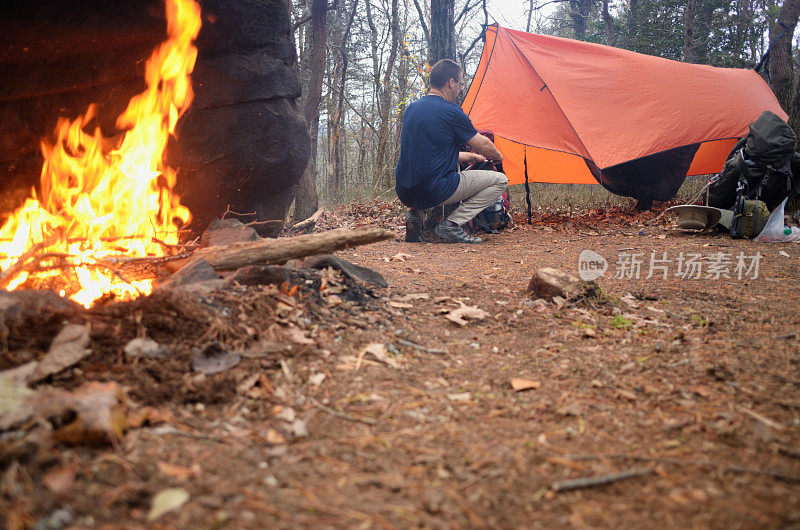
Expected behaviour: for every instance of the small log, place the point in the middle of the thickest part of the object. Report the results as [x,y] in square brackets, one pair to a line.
[278,251]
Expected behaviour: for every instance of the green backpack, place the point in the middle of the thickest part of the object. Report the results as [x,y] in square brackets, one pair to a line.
[749,218]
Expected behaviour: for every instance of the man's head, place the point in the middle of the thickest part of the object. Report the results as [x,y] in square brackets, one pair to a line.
[447,78]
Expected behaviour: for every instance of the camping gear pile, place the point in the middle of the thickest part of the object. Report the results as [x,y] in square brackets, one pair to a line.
[759,182]
[761,172]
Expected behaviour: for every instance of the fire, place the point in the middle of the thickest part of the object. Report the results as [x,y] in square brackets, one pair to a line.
[105,201]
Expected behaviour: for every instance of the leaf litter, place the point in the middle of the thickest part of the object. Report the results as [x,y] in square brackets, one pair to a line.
[694,401]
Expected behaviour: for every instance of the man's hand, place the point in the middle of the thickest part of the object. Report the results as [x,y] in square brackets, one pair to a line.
[484,146]
[465,157]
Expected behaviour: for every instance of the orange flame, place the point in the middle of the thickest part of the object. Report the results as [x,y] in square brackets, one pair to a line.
[103,203]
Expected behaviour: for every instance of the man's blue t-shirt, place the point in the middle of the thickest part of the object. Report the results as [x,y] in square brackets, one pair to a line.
[427,172]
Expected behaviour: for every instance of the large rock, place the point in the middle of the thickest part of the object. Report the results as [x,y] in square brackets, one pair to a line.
[244,143]
[549,283]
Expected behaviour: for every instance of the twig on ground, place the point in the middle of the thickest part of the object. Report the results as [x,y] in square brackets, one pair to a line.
[418,346]
[259,223]
[343,415]
[602,480]
[311,221]
[763,419]
[699,463]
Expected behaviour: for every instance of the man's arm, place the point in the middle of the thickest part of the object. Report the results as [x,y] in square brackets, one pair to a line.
[465,157]
[483,146]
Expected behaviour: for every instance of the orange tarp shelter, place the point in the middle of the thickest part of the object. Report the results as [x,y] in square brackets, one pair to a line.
[581,113]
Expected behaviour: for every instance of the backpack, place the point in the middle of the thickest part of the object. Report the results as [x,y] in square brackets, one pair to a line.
[497,216]
[749,218]
[758,175]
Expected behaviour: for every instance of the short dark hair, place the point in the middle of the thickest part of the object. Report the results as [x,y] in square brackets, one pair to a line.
[442,71]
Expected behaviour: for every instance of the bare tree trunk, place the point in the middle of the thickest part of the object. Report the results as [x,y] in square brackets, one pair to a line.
[443,37]
[384,164]
[781,69]
[610,34]
[306,202]
[335,146]
[530,14]
[688,31]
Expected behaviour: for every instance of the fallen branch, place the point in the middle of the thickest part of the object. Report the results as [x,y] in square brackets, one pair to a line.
[602,480]
[700,463]
[278,251]
[311,221]
[343,415]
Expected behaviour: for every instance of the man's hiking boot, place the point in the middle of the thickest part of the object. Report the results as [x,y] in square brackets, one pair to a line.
[413,227]
[452,233]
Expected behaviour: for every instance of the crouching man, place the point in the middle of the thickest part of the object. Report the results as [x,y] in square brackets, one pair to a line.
[427,172]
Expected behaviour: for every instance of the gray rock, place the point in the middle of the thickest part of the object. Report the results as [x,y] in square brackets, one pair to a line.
[197,270]
[549,283]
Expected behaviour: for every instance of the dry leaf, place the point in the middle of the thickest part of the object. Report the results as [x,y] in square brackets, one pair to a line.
[67,348]
[93,413]
[13,391]
[61,479]
[377,350]
[166,501]
[316,379]
[179,472]
[256,386]
[519,384]
[149,415]
[274,437]
[462,315]
[296,335]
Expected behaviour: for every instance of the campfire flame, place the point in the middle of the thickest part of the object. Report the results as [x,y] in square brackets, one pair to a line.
[105,201]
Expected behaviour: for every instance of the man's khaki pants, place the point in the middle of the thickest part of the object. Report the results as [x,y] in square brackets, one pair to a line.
[477,190]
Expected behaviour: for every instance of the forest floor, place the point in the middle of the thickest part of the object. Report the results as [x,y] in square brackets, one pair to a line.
[379,411]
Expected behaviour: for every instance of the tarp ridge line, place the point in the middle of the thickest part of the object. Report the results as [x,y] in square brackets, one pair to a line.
[488,62]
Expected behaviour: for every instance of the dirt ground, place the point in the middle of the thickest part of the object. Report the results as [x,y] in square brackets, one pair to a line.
[693,382]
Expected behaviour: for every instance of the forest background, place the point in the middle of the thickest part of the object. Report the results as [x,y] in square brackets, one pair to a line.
[363,61]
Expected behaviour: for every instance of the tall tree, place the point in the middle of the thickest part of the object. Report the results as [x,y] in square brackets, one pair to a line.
[443,36]
[781,68]
[335,140]
[384,162]
[307,201]
[688,31]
